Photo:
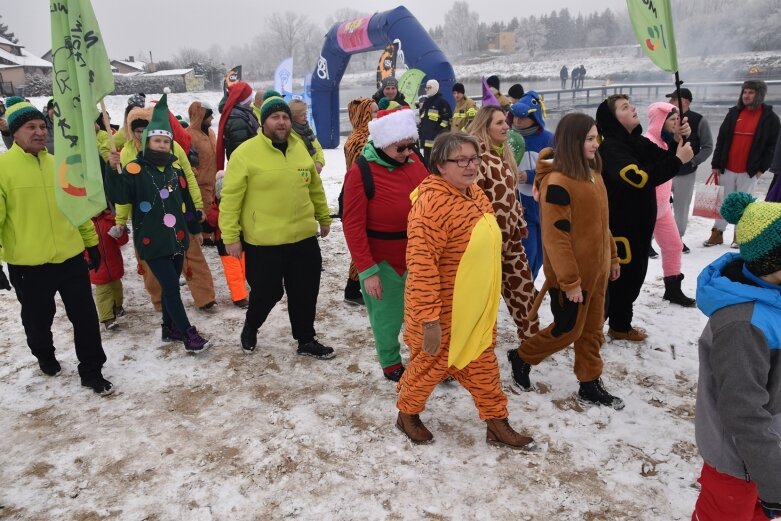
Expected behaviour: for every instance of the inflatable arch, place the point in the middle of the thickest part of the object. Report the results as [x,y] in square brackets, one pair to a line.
[368,34]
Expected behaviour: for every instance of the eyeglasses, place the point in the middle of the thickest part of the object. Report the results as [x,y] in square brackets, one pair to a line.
[464,162]
[402,148]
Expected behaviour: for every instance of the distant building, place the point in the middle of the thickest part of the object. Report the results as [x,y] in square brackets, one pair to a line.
[15,64]
[128,66]
[503,41]
[186,76]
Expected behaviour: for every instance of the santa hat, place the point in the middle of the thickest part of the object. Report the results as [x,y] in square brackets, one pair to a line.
[240,93]
[394,123]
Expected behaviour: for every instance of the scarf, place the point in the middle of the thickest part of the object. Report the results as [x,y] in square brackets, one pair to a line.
[306,133]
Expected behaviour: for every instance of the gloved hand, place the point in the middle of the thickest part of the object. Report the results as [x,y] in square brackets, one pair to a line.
[432,337]
[772,510]
[4,284]
[116,231]
[94,258]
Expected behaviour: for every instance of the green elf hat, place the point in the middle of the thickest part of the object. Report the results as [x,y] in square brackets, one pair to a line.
[159,124]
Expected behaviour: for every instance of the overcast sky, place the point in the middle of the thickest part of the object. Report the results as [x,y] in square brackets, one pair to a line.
[165,26]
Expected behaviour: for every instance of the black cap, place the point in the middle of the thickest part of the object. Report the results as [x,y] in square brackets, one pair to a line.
[685,94]
[459,87]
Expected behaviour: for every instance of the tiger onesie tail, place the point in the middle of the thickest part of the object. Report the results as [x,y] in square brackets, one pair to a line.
[497,180]
[454,275]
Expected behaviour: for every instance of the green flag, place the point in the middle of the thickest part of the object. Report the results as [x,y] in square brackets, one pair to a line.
[81,77]
[652,21]
[409,83]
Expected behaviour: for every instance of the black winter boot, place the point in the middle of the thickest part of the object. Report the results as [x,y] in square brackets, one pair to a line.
[521,370]
[673,293]
[594,393]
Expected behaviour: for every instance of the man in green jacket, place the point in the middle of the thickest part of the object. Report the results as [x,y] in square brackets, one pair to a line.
[44,251]
[272,202]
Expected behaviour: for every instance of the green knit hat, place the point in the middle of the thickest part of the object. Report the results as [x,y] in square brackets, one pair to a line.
[757,230]
[273,102]
[18,112]
[159,124]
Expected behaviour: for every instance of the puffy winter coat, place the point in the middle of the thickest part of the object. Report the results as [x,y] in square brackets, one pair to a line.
[111,265]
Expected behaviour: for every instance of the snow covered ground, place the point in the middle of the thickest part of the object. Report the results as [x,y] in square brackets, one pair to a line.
[226,436]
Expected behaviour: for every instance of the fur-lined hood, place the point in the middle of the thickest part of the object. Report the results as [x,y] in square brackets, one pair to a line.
[757,85]
[134,115]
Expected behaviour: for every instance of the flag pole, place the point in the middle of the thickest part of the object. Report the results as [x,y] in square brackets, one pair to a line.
[107,124]
[678,84]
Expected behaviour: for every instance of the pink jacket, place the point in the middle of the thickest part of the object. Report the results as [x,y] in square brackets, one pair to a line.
[657,115]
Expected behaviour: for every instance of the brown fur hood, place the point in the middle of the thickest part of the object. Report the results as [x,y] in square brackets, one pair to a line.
[197,113]
[136,114]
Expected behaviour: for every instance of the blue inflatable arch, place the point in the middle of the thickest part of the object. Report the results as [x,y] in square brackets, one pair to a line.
[368,34]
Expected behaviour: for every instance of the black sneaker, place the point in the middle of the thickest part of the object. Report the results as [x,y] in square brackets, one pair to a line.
[249,339]
[208,306]
[521,371]
[355,300]
[685,249]
[99,385]
[652,253]
[594,393]
[395,375]
[119,311]
[50,367]
[110,324]
[316,349]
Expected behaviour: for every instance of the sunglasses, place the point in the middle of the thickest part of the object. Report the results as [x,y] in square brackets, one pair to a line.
[402,148]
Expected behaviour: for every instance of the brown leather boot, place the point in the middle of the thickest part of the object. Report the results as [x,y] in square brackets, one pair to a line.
[635,334]
[716,237]
[411,425]
[500,433]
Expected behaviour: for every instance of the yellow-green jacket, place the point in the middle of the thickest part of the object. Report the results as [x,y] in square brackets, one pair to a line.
[130,152]
[33,230]
[271,197]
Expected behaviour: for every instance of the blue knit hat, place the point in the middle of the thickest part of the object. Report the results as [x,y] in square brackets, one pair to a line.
[18,112]
[757,231]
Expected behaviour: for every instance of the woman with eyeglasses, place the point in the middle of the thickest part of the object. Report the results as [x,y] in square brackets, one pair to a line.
[454,258]
[497,177]
[377,192]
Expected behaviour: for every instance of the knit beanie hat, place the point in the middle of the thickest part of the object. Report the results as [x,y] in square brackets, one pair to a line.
[459,87]
[18,112]
[390,81]
[273,102]
[159,125]
[757,230]
[432,87]
[493,81]
[516,91]
[137,100]
[394,123]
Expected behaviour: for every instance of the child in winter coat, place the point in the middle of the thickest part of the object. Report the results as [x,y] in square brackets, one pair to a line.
[235,270]
[663,124]
[738,417]
[579,258]
[163,214]
[108,277]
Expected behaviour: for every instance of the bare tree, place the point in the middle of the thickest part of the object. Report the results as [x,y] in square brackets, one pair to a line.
[461,29]
[6,34]
[531,35]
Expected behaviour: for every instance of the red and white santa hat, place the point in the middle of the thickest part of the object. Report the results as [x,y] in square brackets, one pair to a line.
[394,123]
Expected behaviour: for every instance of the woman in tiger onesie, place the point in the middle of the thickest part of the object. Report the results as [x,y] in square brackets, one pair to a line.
[451,298]
[497,177]
[579,255]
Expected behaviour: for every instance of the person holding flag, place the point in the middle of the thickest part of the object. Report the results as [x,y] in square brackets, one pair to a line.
[43,250]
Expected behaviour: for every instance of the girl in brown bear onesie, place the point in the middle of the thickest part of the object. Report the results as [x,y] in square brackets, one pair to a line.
[579,256]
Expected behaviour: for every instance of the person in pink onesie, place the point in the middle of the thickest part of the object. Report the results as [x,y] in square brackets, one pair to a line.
[663,122]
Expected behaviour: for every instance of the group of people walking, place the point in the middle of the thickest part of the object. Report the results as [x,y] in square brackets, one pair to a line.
[436,238]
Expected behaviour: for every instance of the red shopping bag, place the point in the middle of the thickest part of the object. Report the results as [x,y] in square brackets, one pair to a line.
[708,197]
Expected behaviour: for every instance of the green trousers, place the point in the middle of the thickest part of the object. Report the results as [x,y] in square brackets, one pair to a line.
[107,297]
[387,315]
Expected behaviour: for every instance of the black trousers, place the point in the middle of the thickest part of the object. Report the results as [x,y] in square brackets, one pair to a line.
[273,271]
[623,291]
[167,270]
[35,288]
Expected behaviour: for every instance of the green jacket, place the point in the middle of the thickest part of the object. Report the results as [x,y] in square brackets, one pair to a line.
[162,207]
[130,152]
[33,230]
[271,197]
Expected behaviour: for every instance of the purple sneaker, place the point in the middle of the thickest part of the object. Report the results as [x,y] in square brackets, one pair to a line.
[193,342]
